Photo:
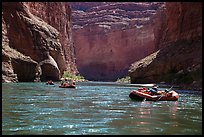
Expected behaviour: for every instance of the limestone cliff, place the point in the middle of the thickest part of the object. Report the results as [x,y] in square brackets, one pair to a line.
[179,58]
[31,48]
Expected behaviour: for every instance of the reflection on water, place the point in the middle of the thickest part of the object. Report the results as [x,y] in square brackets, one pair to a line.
[95,108]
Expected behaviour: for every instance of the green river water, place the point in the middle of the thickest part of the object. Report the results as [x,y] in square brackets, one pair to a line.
[95,108]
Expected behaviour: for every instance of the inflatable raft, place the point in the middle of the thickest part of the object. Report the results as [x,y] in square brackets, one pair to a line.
[67,86]
[142,94]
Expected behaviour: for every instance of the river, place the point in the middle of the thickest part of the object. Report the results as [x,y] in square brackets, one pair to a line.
[95,108]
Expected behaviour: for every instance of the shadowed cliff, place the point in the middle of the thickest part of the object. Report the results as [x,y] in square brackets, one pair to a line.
[31,48]
[179,56]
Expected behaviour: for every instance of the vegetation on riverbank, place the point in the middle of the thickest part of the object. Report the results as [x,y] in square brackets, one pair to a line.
[70,76]
[124,80]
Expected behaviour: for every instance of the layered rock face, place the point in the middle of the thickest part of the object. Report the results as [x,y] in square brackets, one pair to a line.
[113,15]
[183,22]
[58,15]
[179,58]
[31,48]
[15,63]
[107,56]
[110,36]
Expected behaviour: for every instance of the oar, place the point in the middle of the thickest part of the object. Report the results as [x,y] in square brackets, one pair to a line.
[164,95]
[169,89]
[160,97]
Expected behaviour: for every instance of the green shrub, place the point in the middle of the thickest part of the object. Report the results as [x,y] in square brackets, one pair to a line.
[124,80]
[71,76]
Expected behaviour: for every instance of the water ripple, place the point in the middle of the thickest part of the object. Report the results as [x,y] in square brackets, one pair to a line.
[95,108]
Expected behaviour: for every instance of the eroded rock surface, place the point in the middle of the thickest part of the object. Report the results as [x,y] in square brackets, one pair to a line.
[109,36]
[28,40]
[179,58]
[58,15]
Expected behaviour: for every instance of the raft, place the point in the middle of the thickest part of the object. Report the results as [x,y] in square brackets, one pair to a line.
[143,95]
[49,83]
[67,86]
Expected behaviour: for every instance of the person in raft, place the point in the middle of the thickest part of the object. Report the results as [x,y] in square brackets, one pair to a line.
[62,81]
[153,90]
[73,83]
[50,82]
[65,82]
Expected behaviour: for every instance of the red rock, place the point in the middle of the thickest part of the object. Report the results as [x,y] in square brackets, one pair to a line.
[107,40]
[58,15]
[31,46]
[184,22]
[179,56]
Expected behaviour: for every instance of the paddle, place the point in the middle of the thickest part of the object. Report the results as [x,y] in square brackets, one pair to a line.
[167,90]
[171,87]
[160,97]
[164,95]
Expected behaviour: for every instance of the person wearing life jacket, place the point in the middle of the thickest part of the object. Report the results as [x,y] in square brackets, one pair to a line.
[153,90]
[172,94]
[65,82]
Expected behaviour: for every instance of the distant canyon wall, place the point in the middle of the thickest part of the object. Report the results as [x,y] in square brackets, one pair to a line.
[31,47]
[110,36]
[107,56]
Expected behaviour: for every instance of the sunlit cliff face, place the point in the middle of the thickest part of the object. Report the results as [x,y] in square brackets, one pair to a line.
[109,36]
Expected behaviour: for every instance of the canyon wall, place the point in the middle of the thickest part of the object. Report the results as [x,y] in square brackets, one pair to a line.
[58,15]
[113,15]
[109,36]
[107,56]
[31,47]
[178,59]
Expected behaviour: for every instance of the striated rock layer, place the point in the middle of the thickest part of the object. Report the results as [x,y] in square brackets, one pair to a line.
[107,56]
[31,48]
[179,58]
[58,15]
[109,36]
[113,15]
